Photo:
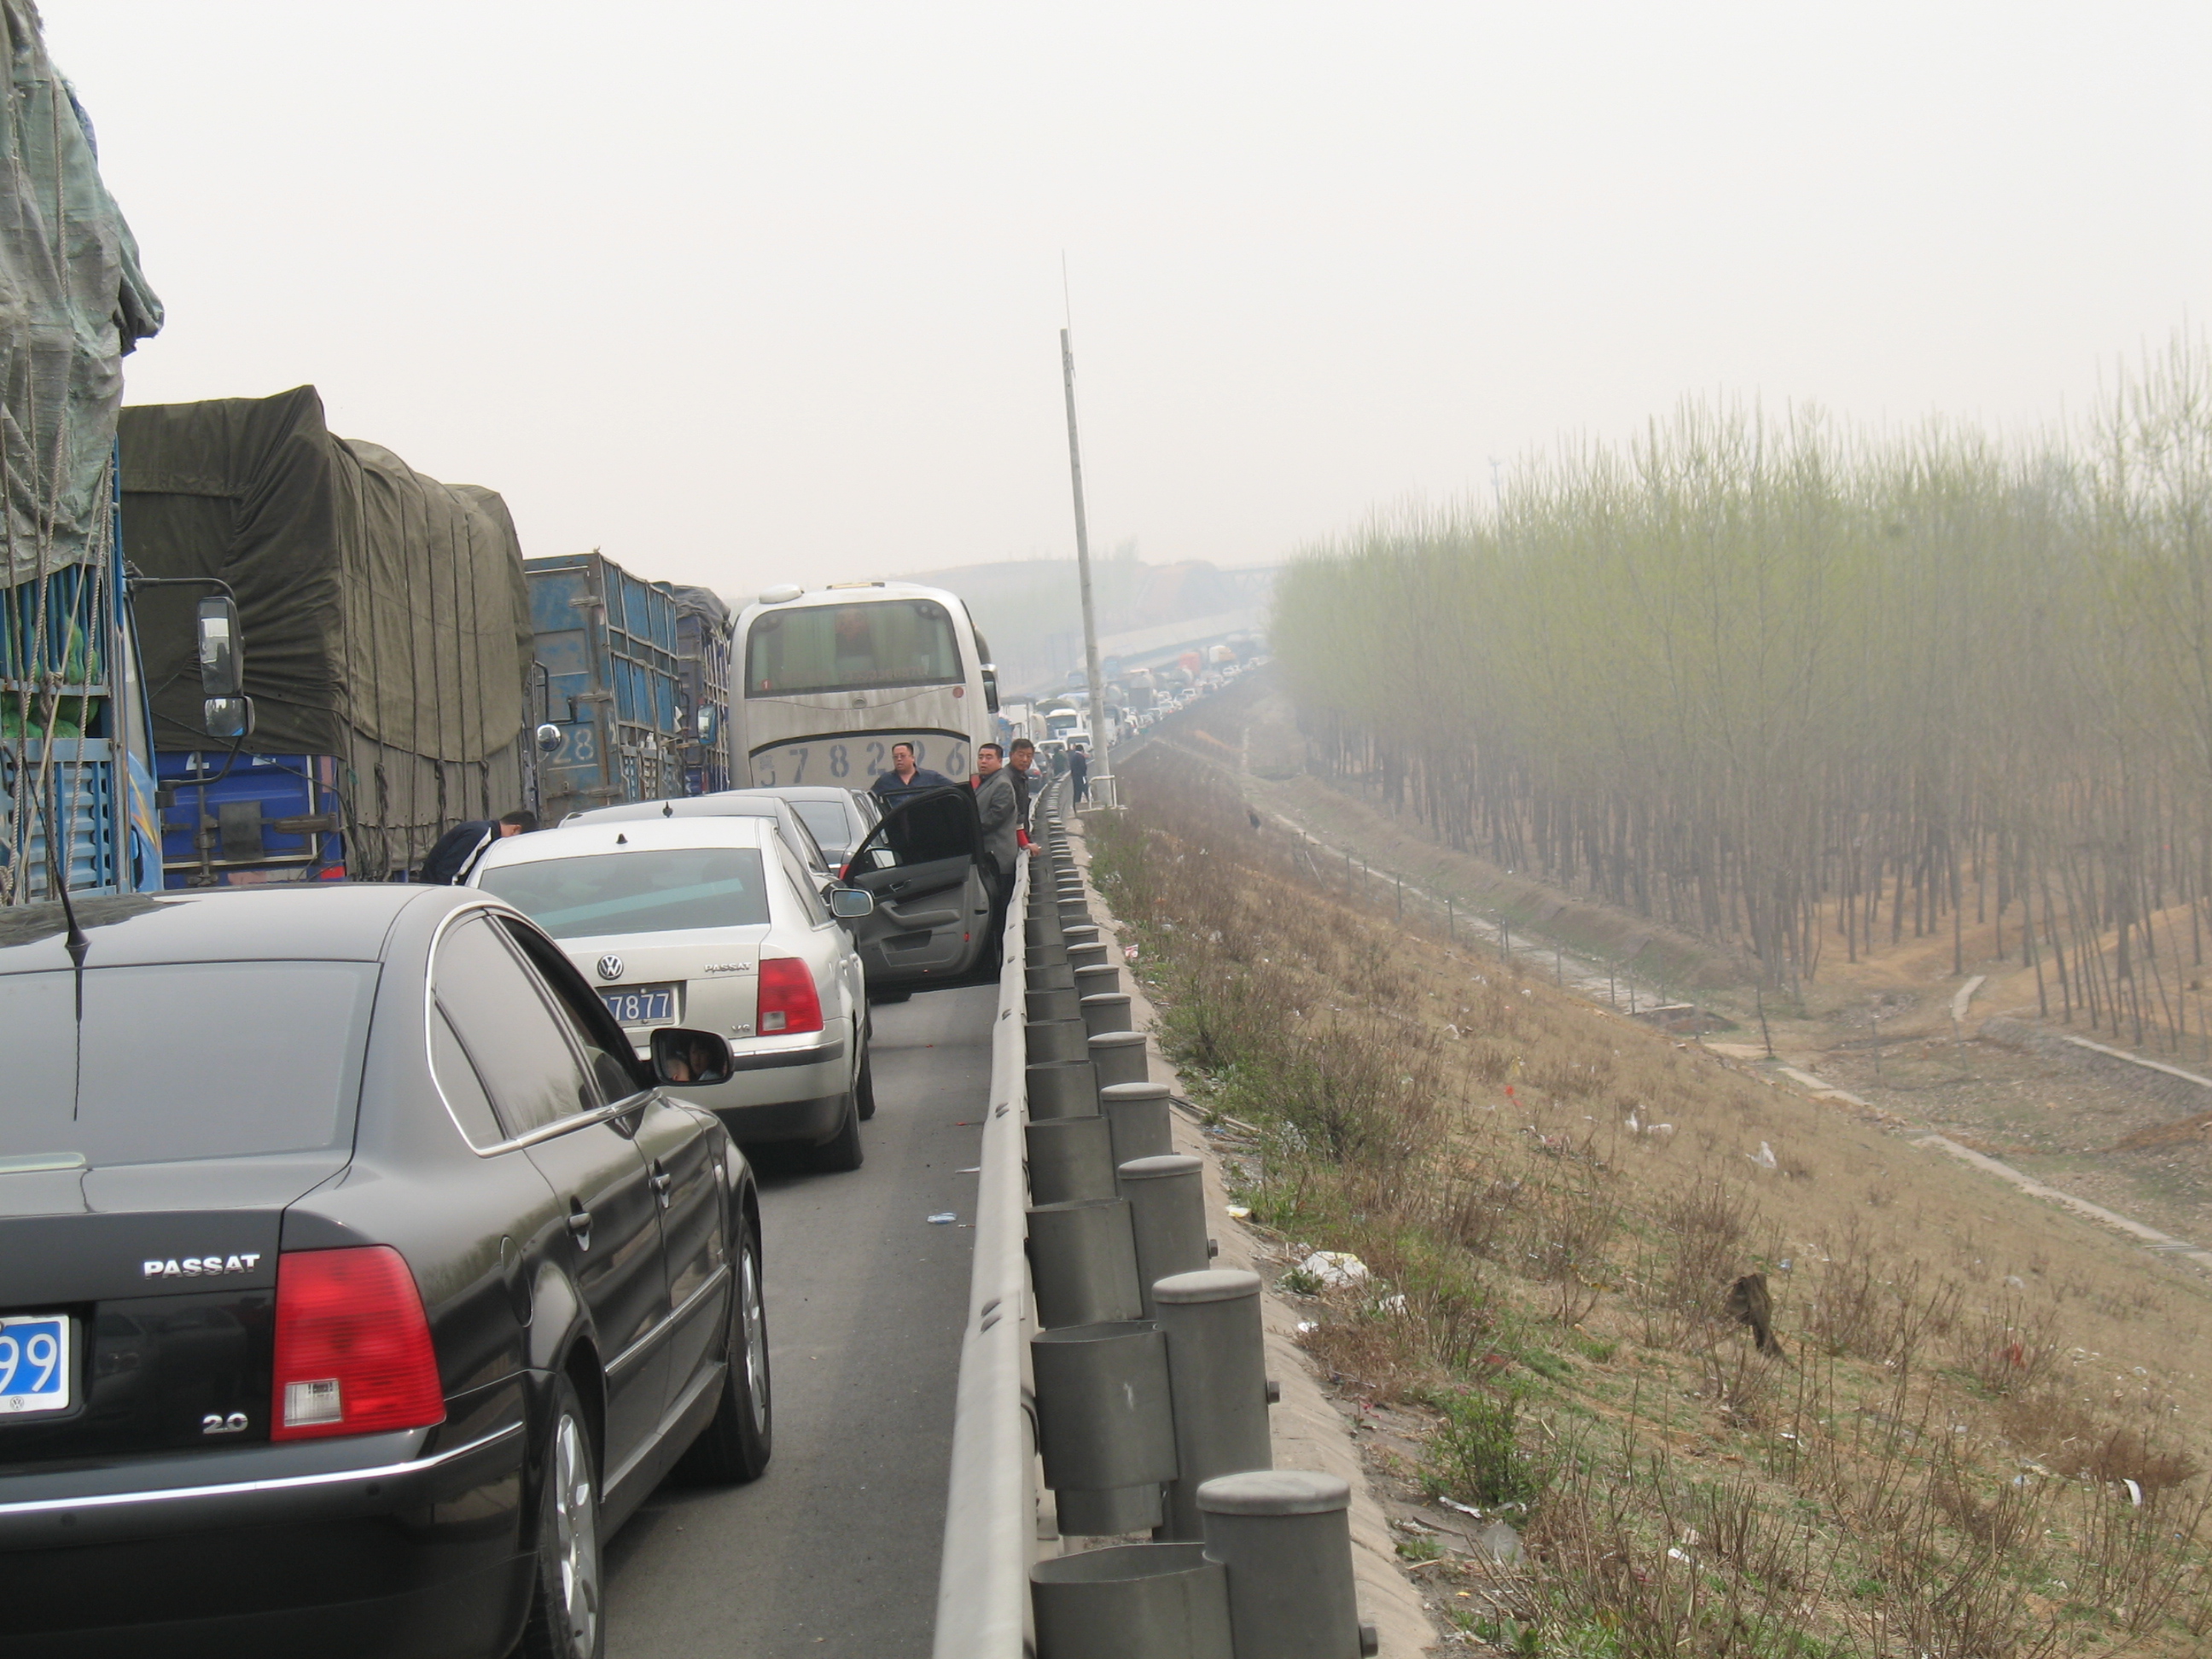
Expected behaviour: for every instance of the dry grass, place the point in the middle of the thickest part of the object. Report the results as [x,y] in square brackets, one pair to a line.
[1934,1460]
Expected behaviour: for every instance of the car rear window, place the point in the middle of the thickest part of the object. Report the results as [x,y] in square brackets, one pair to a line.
[184,1060]
[650,890]
[827,819]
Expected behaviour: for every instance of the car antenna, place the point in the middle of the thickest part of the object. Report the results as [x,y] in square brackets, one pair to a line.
[622,841]
[77,944]
[668,809]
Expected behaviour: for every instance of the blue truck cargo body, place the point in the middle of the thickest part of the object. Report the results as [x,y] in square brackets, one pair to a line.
[247,819]
[607,644]
[72,738]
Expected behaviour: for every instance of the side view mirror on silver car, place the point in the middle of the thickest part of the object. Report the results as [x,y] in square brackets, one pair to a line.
[851,903]
[686,1059]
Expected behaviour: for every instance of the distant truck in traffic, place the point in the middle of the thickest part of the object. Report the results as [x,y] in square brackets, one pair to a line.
[607,642]
[703,666]
[387,655]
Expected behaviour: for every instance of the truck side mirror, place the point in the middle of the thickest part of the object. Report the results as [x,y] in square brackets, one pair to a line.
[230,718]
[989,673]
[222,662]
[548,739]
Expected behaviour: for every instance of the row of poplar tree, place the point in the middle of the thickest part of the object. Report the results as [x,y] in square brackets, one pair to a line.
[1803,689]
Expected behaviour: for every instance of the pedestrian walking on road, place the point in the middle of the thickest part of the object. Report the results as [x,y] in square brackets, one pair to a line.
[458,850]
[905,777]
[1078,767]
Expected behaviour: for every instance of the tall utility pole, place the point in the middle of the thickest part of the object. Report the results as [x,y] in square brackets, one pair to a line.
[1101,771]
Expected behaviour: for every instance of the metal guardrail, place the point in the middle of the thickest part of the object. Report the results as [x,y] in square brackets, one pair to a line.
[1147,1397]
[990,1517]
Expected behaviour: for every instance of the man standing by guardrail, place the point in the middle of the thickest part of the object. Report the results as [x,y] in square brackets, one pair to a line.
[1021,761]
[995,807]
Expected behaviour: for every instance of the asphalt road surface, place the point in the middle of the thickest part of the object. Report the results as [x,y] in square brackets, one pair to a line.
[835,1550]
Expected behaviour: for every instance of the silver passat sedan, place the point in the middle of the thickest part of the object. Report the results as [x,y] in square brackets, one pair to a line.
[712,922]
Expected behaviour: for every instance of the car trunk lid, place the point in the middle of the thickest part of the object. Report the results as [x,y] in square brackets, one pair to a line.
[164,1275]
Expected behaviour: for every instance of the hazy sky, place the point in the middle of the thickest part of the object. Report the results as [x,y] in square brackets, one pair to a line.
[747,293]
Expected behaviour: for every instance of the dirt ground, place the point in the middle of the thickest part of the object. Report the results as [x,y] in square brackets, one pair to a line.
[1594,1179]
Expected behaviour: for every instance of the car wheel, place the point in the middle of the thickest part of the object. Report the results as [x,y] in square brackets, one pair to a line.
[842,1150]
[568,1604]
[866,1089]
[734,1446]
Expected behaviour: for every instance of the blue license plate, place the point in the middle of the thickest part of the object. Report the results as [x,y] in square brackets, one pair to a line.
[642,1004]
[34,1364]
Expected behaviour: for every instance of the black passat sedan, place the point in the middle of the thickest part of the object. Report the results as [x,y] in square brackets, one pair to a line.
[355,1278]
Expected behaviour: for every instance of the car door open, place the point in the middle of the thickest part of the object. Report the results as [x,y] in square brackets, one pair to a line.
[924,866]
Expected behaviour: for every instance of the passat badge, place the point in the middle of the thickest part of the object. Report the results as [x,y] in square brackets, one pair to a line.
[610,966]
[200,1267]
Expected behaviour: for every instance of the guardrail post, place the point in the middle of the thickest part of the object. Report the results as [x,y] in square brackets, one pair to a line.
[1083,1262]
[1139,1112]
[1167,1218]
[1105,1428]
[1119,1057]
[1041,973]
[1062,1088]
[1217,1379]
[1162,1601]
[1062,1039]
[1093,978]
[1086,954]
[1054,1002]
[1109,1011]
[1070,1159]
[1283,1536]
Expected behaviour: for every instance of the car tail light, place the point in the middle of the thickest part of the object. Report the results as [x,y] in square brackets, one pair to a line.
[353,1346]
[787,999]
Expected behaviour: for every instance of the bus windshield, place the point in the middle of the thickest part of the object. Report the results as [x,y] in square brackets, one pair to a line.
[848,647]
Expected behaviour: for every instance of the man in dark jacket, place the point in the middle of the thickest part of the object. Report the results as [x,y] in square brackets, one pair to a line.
[1079,772]
[1021,761]
[459,847]
[905,777]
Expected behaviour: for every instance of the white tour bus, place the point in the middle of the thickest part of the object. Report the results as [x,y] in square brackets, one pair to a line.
[835,676]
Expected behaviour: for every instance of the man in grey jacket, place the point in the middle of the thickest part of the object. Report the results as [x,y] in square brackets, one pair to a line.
[1000,814]
[999,809]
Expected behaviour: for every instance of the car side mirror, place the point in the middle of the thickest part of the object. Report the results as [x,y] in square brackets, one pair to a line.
[230,718]
[222,662]
[684,1059]
[851,903]
[548,739]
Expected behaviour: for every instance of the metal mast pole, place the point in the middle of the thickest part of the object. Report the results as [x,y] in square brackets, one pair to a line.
[1102,772]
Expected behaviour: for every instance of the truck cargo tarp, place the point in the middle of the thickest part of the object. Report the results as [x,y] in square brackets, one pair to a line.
[372,598]
[72,303]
